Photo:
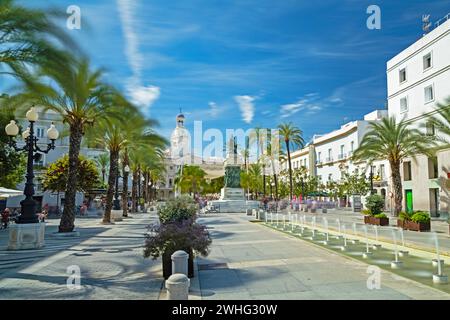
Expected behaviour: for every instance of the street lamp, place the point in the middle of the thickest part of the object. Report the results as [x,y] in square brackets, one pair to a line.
[34,152]
[303,188]
[371,178]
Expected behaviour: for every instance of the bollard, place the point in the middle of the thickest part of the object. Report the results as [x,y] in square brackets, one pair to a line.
[180,262]
[177,287]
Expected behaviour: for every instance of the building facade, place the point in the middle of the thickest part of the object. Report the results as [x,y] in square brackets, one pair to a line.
[418,80]
[328,156]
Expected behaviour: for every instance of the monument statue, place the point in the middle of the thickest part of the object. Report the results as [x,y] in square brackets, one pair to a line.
[232,177]
[232,196]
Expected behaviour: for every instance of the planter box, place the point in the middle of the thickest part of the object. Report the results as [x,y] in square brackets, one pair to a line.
[414,226]
[167,264]
[376,221]
[419,226]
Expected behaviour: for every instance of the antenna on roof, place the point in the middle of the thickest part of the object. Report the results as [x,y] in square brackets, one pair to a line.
[426,24]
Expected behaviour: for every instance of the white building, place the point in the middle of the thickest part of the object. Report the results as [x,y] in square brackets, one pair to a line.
[179,154]
[418,78]
[328,156]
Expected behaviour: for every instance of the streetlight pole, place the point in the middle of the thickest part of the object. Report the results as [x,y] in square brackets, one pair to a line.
[371,178]
[28,205]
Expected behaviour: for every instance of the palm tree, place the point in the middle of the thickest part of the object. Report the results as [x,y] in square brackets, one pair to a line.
[393,141]
[190,179]
[118,136]
[28,36]
[79,97]
[441,122]
[102,161]
[292,136]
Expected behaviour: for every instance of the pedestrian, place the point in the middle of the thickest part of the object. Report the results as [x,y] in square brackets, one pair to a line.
[5,217]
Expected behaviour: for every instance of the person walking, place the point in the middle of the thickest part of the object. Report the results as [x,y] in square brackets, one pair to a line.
[5,218]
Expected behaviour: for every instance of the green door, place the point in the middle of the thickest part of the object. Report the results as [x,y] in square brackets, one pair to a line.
[409,200]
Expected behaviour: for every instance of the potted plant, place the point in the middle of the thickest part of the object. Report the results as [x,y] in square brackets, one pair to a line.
[373,214]
[164,239]
[420,221]
[403,219]
[177,230]
[415,221]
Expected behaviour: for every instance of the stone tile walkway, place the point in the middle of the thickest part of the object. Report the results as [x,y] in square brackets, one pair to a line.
[250,261]
[109,257]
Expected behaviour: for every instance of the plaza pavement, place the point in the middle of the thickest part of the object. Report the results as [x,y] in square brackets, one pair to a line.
[247,261]
[412,239]
[250,261]
[109,256]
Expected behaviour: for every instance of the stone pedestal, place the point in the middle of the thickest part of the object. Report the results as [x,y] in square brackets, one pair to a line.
[232,194]
[177,287]
[116,215]
[180,262]
[26,236]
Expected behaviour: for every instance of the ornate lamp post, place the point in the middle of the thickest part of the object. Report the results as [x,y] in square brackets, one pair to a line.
[28,212]
[371,178]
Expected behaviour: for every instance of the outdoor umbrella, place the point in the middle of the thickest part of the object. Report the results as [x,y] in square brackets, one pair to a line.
[6,193]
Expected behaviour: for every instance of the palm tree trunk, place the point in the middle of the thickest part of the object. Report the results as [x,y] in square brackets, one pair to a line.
[113,169]
[125,185]
[290,168]
[134,192]
[398,188]
[275,179]
[68,216]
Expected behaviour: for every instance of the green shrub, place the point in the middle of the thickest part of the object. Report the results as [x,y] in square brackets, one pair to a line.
[375,204]
[380,215]
[365,212]
[177,210]
[404,216]
[420,216]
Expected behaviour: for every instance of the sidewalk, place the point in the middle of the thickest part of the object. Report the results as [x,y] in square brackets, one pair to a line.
[251,261]
[417,240]
[109,257]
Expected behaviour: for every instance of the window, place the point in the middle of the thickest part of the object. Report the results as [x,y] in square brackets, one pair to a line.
[432,168]
[429,94]
[39,161]
[330,177]
[341,155]
[407,171]
[404,104]
[427,63]
[318,156]
[431,131]
[170,182]
[329,155]
[352,145]
[40,132]
[382,173]
[402,75]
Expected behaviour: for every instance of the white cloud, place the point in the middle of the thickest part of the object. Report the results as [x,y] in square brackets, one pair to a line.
[310,104]
[247,107]
[214,109]
[141,95]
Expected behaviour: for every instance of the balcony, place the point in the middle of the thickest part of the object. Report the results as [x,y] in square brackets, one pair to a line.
[342,156]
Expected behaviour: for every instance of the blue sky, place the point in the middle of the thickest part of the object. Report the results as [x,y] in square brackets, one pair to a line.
[246,63]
